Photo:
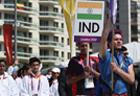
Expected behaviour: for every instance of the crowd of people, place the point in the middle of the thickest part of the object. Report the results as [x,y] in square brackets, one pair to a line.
[76,77]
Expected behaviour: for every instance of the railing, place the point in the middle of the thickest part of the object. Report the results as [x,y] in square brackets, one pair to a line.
[25,8]
[48,0]
[21,23]
[51,58]
[51,28]
[49,13]
[26,39]
[51,43]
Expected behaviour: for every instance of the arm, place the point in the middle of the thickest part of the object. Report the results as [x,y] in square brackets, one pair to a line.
[62,84]
[24,88]
[71,80]
[103,43]
[128,77]
[13,87]
[45,87]
[94,72]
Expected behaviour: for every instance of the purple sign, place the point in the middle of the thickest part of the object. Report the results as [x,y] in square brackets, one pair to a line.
[89,39]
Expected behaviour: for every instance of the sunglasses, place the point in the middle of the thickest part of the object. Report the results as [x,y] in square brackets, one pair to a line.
[125,54]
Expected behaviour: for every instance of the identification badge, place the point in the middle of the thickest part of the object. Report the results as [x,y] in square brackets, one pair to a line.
[35,95]
[89,83]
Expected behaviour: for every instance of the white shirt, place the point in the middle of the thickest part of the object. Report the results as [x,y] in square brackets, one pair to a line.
[35,85]
[54,88]
[18,82]
[8,86]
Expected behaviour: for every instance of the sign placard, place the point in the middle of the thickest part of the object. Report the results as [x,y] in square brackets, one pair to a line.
[89,19]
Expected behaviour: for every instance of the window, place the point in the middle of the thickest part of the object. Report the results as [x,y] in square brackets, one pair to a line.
[55,9]
[62,25]
[30,35]
[68,41]
[61,10]
[55,38]
[30,50]
[30,19]
[0,15]
[44,52]
[43,8]
[43,23]
[0,32]
[62,40]
[30,4]
[62,54]
[55,53]
[0,47]
[134,39]
[69,55]
[55,24]
[117,27]
[44,37]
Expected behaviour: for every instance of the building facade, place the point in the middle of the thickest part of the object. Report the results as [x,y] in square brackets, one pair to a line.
[41,30]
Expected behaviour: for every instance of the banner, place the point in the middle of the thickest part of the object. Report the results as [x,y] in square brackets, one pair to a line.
[89,20]
[68,7]
[7,31]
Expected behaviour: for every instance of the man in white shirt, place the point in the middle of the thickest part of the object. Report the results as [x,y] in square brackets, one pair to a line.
[35,84]
[7,83]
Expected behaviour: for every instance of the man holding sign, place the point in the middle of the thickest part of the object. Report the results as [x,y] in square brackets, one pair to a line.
[78,70]
[122,67]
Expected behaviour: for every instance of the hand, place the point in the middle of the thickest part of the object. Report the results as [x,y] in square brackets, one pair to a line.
[113,67]
[16,62]
[87,68]
[86,74]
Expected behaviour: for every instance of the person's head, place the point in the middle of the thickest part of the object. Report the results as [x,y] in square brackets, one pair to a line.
[35,64]
[25,70]
[2,67]
[117,39]
[83,48]
[64,65]
[124,51]
[55,73]
[49,72]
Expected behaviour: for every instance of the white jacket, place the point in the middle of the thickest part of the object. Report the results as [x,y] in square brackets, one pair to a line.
[35,87]
[8,86]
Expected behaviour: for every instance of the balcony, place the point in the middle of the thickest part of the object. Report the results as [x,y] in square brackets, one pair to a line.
[20,55]
[51,44]
[26,40]
[52,2]
[21,24]
[51,59]
[50,14]
[51,29]
[23,9]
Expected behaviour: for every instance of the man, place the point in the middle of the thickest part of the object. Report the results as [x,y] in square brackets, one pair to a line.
[64,88]
[131,88]
[122,68]
[78,70]
[35,84]
[7,83]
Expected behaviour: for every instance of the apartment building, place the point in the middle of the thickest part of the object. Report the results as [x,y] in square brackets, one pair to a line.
[41,30]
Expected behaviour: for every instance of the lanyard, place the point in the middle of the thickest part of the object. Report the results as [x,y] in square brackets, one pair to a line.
[32,87]
[3,77]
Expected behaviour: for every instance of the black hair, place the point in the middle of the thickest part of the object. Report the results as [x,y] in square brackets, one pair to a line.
[21,70]
[124,48]
[2,61]
[34,59]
